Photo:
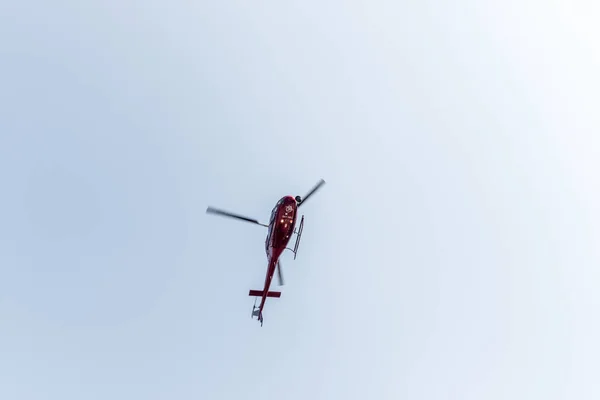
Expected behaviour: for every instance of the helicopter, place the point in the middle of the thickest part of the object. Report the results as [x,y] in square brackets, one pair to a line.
[281,227]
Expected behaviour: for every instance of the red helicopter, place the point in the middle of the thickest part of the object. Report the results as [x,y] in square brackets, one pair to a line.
[281,227]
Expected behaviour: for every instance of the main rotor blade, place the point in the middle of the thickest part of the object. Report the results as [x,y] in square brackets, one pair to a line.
[279,274]
[312,191]
[212,210]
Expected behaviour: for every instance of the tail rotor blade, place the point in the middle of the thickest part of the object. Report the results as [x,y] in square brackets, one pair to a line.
[279,274]
[216,211]
[312,191]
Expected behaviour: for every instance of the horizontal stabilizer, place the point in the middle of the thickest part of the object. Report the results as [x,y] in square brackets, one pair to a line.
[259,293]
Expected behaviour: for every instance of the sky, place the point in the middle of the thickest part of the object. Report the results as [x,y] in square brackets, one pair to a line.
[452,254]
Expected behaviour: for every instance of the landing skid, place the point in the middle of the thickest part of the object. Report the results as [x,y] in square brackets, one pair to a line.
[298,233]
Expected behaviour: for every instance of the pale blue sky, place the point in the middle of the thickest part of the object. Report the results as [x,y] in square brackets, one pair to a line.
[453,253]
